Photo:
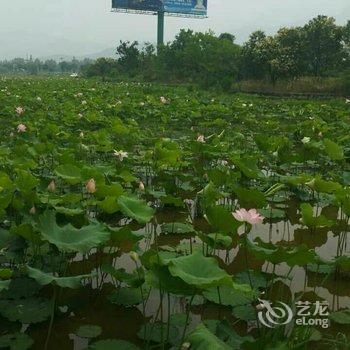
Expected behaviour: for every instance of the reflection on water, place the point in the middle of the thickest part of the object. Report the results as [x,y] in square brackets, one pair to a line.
[91,306]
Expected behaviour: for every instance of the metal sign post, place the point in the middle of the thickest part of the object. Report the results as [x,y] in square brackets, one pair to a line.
[160,37]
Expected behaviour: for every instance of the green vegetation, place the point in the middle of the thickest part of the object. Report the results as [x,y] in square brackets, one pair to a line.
[123,221]
[21,66]
[320,49]
[314,58]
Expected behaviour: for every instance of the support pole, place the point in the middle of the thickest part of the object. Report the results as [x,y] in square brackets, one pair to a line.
[160,38]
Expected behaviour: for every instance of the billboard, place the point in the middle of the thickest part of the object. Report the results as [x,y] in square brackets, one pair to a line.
[138,5]
[190,7]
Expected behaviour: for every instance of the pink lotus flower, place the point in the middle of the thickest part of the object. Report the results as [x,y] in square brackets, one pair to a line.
[21,128]
[201,139]
[91,186]
[250,216]
[120,155]
[19,110]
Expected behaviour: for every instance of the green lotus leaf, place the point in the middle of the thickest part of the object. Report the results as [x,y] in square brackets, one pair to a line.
[25,181]
[172,200]
[256,278]
[27,232]
[113,344]
[247,166]
[231,296]
[16,341]
[250,198]
[6,191]
[134,279]
[21,287]
[333,150]
[312,221]
[5,273]
[44,279]
[199,271]
[70,239]
[341,317]
[343,263]
[202,339]
[109,205]
[272,213]
[126,296]
[69,173]
[31,310]
[323,186]
[127,176]
[4,285]
[222,219]
[125,235]
[245,312]
[177,228]
[114,190]
[88,331]
[216,240]
[5,238]
[160,276]
[136,209]
[69,211]
[179,319]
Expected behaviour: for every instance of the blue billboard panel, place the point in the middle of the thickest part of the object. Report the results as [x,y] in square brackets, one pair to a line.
[190,7]
[138,5]
[193,7]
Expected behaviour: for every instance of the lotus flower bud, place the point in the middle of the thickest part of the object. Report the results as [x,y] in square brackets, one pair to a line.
[134,256]
[91,186]
[141,186]
[32,210]
[52,186]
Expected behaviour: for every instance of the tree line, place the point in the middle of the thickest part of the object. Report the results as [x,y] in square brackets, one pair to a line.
[321,48]
[36,66]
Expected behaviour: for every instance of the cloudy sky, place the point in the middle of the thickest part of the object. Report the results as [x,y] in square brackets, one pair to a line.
[79,27]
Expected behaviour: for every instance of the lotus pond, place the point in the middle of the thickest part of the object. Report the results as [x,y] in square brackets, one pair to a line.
[122,222]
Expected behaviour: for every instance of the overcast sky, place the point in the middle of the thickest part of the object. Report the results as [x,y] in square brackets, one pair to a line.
[79,27]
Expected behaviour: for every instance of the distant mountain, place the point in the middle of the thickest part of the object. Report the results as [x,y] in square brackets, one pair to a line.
[104,53]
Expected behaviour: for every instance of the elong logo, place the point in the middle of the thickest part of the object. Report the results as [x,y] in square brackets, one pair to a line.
[272,316]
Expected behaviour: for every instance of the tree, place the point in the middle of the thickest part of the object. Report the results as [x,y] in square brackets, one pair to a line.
[102,67]
[129,56]
[227,36]
[324,44]
[253,59]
